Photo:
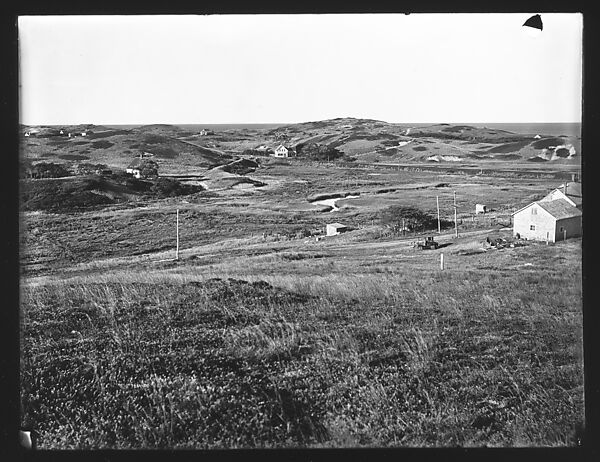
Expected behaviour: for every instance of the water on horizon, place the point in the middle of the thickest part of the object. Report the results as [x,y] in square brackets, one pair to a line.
[554,129]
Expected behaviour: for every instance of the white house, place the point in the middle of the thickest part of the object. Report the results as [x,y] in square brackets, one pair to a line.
[569,191]
[336,228]
[284,151]
[547,220]
[134,168]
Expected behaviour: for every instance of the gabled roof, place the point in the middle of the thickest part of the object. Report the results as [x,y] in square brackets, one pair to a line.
[289,148]
[560,209]
[572,191]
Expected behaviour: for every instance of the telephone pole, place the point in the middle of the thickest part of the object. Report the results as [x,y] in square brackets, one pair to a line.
[177,233]
[437,199]
[455,222]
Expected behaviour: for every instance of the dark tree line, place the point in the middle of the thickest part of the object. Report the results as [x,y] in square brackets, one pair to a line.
[411,218]
[318,151]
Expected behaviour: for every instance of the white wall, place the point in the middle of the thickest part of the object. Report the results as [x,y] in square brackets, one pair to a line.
[545,224]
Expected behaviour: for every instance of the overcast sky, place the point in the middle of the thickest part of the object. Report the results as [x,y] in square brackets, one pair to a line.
[296,68]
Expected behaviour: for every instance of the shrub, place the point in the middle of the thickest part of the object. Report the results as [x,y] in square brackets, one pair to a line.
[318,152]
[86,168]
[48,170]
[166,187]
[148,169]
[256,152]
[414,219]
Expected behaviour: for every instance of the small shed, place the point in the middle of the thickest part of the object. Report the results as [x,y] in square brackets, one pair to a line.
[481,208]
[550,221]
[336,228]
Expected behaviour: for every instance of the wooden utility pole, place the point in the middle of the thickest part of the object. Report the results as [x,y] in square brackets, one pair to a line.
[437,199]
[177,231]
[455,222]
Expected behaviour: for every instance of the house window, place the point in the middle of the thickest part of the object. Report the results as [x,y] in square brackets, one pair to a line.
[531,227]
[534,211]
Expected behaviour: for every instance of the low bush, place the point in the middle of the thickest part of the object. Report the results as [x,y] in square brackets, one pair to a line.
[166,187]
[103,144]
[412,218]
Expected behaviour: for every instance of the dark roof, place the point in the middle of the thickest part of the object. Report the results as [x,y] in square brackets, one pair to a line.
[136,163]
[573,191]
[560,209]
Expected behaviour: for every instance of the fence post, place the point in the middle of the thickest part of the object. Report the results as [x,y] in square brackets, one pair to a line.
[441,261]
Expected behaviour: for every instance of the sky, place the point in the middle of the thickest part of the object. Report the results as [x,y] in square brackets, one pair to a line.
[215,69]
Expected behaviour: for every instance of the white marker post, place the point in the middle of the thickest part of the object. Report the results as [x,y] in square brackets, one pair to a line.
[177,248]
[442,261]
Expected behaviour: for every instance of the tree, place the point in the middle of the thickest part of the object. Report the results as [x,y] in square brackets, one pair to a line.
[318,152]
[85,168]
[48,170]
[148,169]
[413,219]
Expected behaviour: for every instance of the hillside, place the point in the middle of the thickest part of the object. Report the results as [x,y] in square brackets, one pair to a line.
[181,151]
[376,141]
[118,147]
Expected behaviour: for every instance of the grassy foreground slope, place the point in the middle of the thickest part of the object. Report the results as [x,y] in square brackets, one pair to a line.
[379,353]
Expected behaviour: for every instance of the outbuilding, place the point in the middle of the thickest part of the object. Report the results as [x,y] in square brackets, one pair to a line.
[547,220]
[480,208]
[336,228]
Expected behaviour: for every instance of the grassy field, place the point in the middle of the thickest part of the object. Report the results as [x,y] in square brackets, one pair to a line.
[306,351]
[265,333]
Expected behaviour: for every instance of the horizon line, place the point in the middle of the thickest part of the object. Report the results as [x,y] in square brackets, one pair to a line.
[288,123]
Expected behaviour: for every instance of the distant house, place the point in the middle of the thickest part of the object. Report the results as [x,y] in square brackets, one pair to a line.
[547,220]
[142,168]
[135,168]
[480,208]
[206,131]
[336,228]
[284,151]
[569,191]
